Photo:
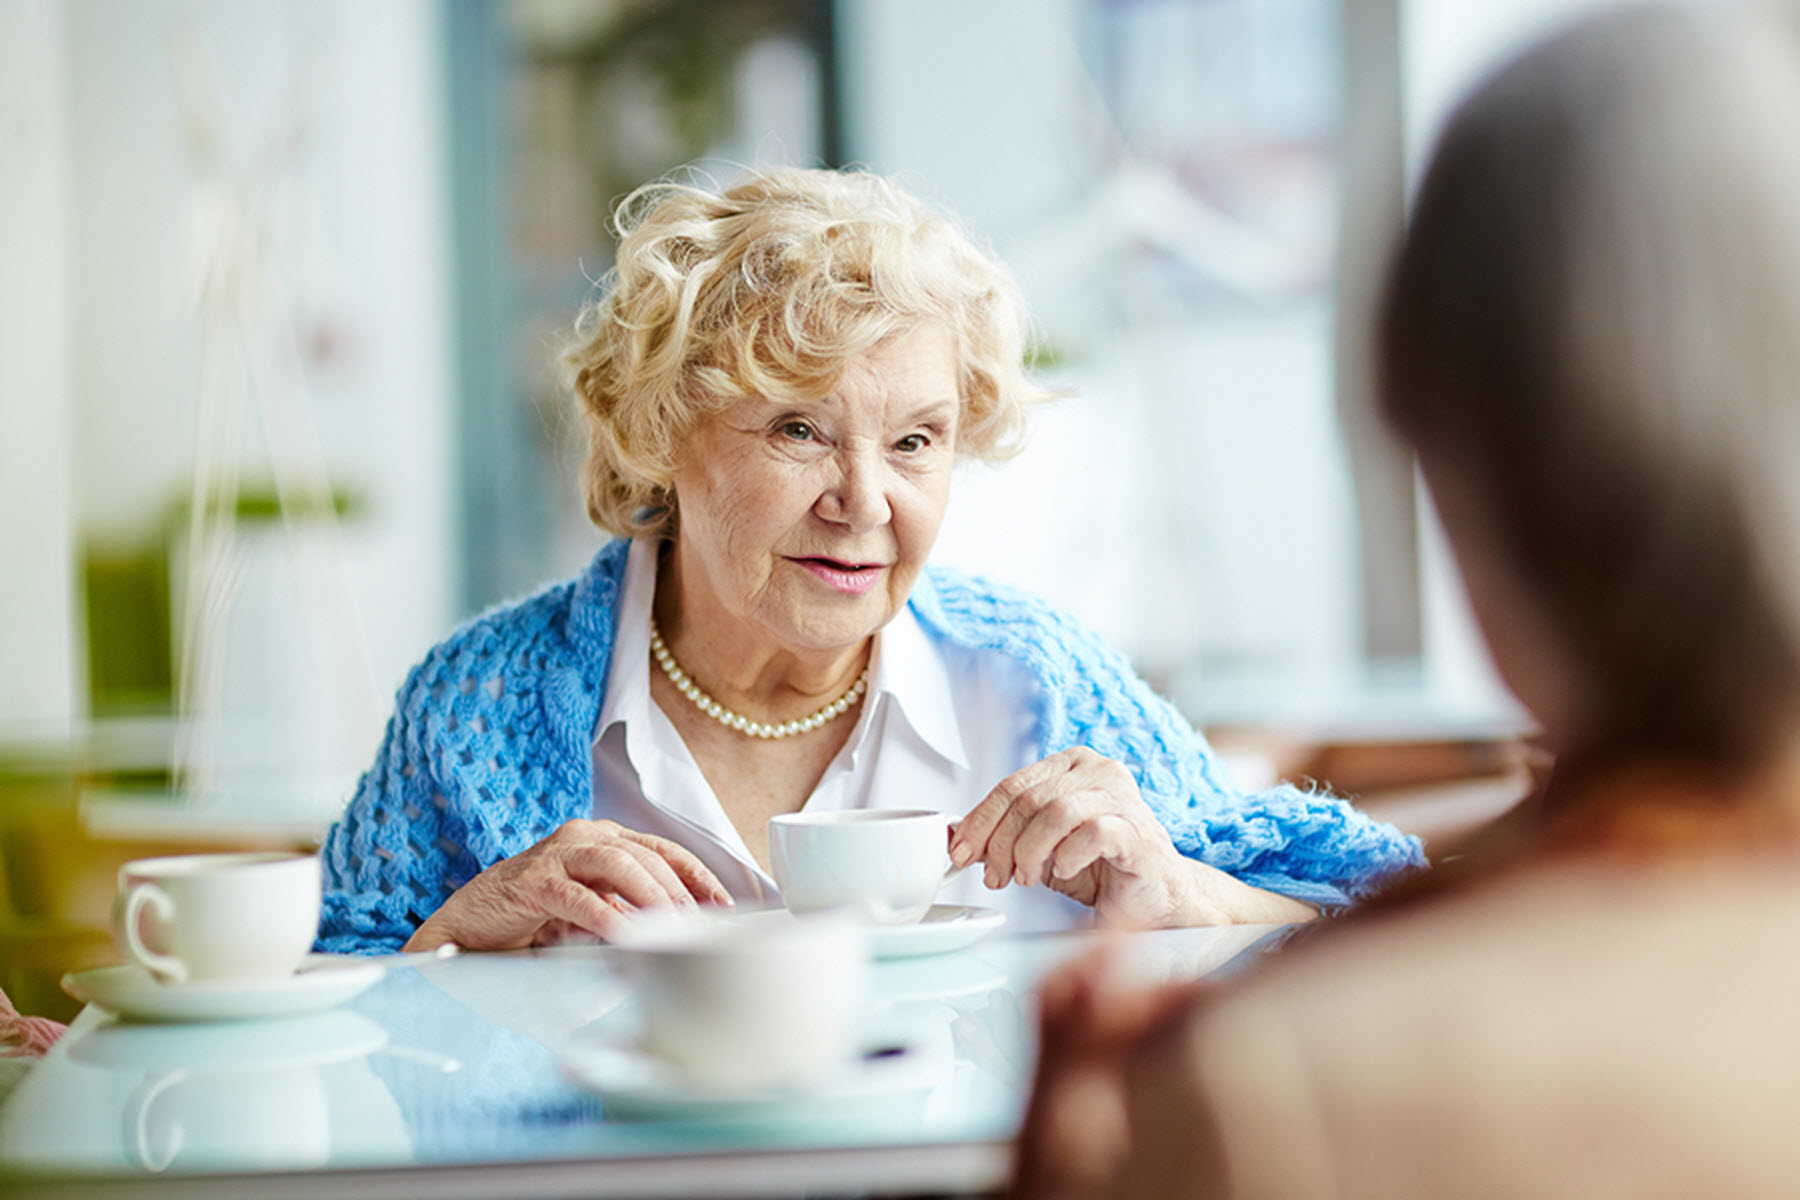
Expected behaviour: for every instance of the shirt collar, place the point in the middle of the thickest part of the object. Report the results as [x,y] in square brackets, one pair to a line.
[628,681]
[908,668]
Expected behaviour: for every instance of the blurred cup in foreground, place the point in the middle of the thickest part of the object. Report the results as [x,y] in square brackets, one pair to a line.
[205,918]
[884,865]
[743,1004]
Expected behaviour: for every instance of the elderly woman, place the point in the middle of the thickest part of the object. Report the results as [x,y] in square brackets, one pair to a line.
[1590,339]
[777,384]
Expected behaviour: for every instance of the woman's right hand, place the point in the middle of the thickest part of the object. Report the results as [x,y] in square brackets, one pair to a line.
[587,876]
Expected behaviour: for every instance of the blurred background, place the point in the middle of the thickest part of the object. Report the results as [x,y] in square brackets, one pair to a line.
[283,285]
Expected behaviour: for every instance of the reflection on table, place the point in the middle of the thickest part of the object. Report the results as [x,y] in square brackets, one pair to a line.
[524,1063]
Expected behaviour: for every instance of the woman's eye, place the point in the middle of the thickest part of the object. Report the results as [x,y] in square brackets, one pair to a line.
[912,443]
[797,431]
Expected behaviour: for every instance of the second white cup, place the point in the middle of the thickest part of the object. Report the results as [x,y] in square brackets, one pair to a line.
[885,865]
[742,1004]
[201,918]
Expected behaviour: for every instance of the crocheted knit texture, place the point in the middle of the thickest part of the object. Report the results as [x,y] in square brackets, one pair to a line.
[489,751]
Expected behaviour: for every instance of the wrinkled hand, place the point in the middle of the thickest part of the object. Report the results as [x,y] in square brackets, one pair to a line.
[1076,822]
[588,877]
[1108,1053]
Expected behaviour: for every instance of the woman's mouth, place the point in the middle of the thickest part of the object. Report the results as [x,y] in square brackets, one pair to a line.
[850,578]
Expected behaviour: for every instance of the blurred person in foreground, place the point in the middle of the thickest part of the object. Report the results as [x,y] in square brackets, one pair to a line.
[1591,337]
[777,384]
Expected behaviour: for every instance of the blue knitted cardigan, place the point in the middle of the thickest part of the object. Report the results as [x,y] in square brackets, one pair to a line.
[490,749]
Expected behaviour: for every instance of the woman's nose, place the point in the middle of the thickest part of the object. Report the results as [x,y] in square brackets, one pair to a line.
[858,496]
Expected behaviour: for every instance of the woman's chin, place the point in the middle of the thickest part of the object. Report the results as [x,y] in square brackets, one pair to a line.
[847,622]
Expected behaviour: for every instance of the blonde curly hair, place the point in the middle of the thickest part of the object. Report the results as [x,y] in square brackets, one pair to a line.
[770,288]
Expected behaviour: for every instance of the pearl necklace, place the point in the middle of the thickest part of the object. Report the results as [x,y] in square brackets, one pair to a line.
[659,650]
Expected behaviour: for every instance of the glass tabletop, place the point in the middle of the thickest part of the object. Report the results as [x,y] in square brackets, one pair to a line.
[513,1073]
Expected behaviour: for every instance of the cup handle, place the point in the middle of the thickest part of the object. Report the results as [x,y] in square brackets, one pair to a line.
[157,1157]
[165,967]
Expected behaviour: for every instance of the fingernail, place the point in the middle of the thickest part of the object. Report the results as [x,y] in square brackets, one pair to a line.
[991,877]
[962,854]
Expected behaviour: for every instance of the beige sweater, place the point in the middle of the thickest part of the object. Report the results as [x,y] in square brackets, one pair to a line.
[1623,1029]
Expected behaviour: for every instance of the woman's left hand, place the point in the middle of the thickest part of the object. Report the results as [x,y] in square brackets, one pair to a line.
[1075,822]
[1112,1105]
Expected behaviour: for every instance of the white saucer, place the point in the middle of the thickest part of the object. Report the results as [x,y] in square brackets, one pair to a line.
[634,1085]
[131,992]
[280,1043]
[944,928]
[935,977]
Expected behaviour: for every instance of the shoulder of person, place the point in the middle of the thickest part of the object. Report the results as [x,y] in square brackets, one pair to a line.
[537,632]
[1091,684]
[1552,924]
[975,608]
[1515,1011]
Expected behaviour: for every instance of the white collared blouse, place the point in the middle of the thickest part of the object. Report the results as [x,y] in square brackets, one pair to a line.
[939,728]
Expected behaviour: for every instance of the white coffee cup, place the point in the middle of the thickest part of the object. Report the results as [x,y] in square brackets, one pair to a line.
[197,918]
[767,1000]
[884,865]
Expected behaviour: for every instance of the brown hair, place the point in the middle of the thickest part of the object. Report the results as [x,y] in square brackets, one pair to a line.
[1593,324]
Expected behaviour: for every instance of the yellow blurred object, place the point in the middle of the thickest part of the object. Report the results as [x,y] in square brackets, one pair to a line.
[59,866]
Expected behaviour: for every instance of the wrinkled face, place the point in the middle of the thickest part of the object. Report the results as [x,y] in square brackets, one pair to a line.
[809,522]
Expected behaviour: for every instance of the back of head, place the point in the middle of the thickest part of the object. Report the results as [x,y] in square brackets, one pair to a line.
[1592,332]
